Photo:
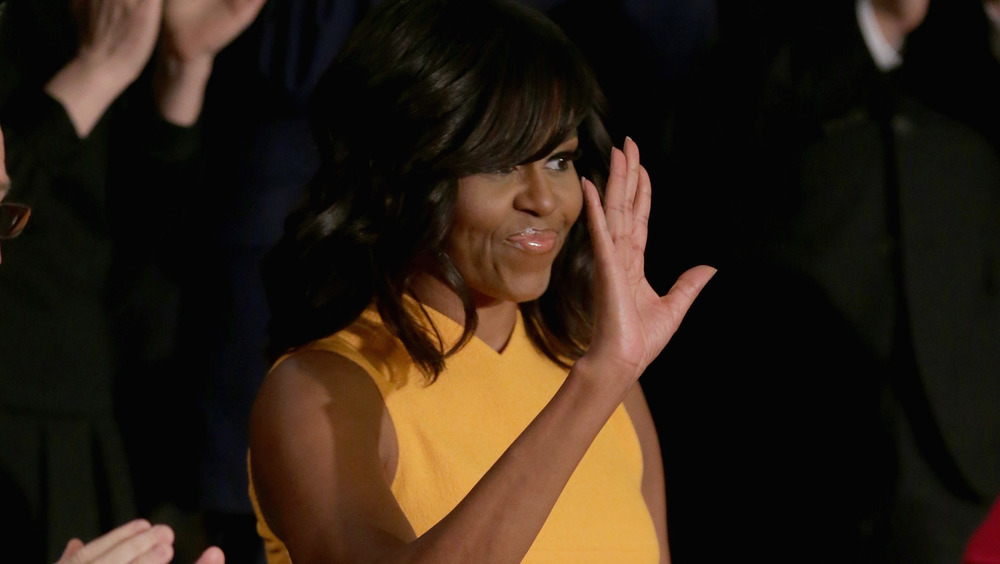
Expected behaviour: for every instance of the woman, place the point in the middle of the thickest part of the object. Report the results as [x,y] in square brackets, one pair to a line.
[451,388]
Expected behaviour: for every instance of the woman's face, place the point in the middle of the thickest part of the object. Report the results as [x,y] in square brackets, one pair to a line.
[510,225]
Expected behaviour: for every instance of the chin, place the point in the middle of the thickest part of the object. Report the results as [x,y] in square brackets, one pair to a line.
[529,290]
[510,286]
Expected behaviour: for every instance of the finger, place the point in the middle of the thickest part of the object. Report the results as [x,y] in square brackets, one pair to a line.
[212,555]
[157,554]
[615,211]
[631,151]
[72,547]
[625,246]
[105,542]
[641,209]
[137,545]
[684,291]
[596,224]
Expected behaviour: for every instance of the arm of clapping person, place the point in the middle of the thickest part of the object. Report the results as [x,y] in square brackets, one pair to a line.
[194,31]
[897,18]
[117,38]
[885,24]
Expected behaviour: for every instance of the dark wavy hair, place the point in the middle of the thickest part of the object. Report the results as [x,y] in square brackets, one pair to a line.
[423,93]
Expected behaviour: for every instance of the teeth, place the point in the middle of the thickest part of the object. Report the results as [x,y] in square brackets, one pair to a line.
[530,231]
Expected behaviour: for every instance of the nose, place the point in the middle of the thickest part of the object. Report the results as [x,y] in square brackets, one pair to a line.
[537,195]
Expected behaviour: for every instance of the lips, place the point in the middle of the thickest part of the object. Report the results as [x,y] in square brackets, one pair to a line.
[535,241]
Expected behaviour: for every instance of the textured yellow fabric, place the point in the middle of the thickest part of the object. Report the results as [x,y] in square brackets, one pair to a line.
[452,431]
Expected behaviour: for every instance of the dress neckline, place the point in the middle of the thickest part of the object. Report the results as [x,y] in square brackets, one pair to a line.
[450,331]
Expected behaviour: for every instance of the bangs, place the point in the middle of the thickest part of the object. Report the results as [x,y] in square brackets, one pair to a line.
[535,91]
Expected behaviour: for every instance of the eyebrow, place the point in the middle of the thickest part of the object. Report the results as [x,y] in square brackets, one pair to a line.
[563,146]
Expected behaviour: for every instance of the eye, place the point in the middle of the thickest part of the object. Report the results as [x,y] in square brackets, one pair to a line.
[558,163]
[562,162]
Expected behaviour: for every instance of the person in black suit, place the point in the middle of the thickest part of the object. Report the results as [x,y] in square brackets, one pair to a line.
[845,408]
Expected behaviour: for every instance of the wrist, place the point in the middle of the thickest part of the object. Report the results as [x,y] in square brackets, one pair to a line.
[86,88]
[898,19]
[180,87]
[187,69]
[603,379]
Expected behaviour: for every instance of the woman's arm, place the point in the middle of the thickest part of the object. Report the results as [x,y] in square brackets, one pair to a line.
[653,487]
[318,433]
[323,486]
[318,436]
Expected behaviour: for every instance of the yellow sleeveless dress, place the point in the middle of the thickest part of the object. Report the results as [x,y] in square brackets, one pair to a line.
[452,431]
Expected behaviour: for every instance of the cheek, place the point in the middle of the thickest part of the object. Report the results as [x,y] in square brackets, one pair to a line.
[577,206]
[468,244]
[465,244]
[475,222]
[572,201]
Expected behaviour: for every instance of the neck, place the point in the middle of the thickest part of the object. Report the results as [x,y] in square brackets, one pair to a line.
[496,317]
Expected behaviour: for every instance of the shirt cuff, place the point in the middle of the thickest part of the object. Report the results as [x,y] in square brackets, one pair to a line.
[44,127]
[886,55]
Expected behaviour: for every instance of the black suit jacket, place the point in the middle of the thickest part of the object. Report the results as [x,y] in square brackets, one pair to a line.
[854,216]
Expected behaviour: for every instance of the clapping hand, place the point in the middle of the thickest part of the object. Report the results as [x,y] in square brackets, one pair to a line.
[898,18]
[136,542]
[117,38]
[194,31]
[199,29]
[632,322]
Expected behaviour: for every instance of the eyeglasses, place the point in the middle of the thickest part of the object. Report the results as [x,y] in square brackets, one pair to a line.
[13,218]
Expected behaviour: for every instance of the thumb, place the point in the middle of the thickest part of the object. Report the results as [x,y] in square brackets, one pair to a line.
[212,555]
[72,547]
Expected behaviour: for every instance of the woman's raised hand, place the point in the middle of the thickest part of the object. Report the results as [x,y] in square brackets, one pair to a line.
[632,323]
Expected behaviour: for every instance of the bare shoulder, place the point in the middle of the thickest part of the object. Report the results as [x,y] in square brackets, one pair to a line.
[319,434]
[314,378]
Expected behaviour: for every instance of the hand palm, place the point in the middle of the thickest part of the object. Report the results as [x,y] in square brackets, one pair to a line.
[632,322]
[201,28]
[119,35]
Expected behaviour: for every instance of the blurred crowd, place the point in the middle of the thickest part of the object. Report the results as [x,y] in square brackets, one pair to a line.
[833,395]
